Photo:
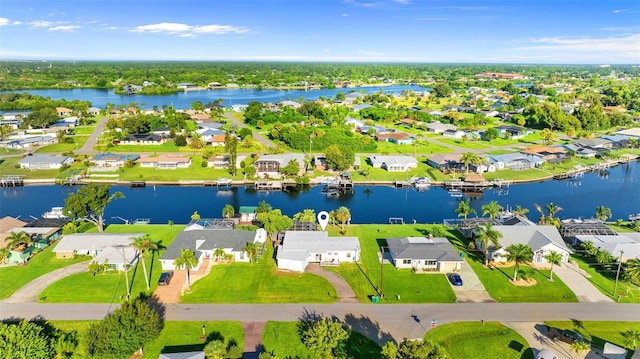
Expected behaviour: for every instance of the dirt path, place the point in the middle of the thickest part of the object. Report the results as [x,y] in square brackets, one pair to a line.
[343,289]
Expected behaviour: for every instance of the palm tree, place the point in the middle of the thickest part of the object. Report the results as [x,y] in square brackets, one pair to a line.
[215,349]
[195,216]
[218,253]
[18,239]
[492,208]
[554,258]
[589,249]
[632,337]
[603,257]
[187,260]
[487,235]
[252,250]
[144,245]
[518,253]
[464,209]
[632,270]
[521,211]
[549,218]
[342,214]
[603,213]
[580,346]
[469,158]
[228,211]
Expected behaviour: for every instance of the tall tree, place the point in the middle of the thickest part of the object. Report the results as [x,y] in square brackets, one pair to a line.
[18,239]
[188,261]
[493,209]
[603,213]
[519,254]
[547,136]
[231,145]
[89,203]
[274,221]
[487,235]
[228,211]
[343,215]
[145,245]
[464,209]
[263,207]
[307,215]
[5,131]
[552,209]
[520,211]
[25,340]
[632,270]
[324,336]
[555,259]
[632,338]
[251,248]
[470,158]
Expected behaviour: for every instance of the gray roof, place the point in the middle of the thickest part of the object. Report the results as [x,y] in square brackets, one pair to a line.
[626,243]
[318,242]
[183,355]
[283,158]
[439,249]
[534,236]
[44,159]
[213,238]
[393,159]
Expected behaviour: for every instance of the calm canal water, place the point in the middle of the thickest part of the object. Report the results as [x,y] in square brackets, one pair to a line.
[620,191]
[183,100]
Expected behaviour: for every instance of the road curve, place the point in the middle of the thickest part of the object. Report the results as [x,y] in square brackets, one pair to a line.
[380,322]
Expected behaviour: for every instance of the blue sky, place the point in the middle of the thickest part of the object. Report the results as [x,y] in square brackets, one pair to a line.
[501,31]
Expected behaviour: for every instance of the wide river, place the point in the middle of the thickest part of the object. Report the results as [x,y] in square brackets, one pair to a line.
[620,191]
[183,100]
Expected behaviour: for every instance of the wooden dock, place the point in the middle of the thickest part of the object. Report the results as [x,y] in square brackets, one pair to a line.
[137,184]
[11,181]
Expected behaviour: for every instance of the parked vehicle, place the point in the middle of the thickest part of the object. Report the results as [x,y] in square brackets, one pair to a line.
[567,336]
[165,278]
[454,279]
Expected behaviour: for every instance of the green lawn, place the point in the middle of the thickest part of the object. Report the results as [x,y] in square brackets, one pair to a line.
[426,148]
[79,141]
[496,281]
[627,292]
[523,175]
[110,287]
[194,172]
[14,277]
[282,339]
[399,286]
[259,283]
[11,166]
[475,340]
[476,145]
[175,336]
[599,332]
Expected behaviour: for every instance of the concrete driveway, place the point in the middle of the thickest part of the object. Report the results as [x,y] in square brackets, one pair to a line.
[29,292]
[472,290]
[576,279]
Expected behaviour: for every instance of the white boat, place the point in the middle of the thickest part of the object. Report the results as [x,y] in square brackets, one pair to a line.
[421,182]
[54,213]
[456,193]
[634,216]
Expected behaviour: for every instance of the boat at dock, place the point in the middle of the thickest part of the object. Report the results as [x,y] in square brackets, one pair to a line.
[54,213]
[634,217]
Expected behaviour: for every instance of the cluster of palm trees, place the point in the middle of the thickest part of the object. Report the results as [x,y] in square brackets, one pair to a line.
[607,262]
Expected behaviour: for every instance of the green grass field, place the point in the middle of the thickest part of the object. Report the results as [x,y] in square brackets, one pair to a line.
[600,332]
[14,277]
[194,172]
[399,286]
[110,287]
[605,282]
[11,166]
[282,340]
[259,283]
[470,340]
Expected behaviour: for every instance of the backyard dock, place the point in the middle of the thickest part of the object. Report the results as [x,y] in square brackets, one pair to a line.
[11,181]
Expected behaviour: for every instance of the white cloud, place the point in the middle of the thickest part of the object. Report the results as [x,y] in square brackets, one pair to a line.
[4,21]
[64,28]
[40,23]
[404,2]
[618,11]
[371,53]
[345,15]
[184,30]
[620,43]
[16,22]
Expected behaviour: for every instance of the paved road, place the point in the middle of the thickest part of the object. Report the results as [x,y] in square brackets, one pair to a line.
[29,292]
[263,140]
[379,322]
[92,141]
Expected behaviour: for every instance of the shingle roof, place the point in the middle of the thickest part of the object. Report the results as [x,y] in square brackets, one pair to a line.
[439,249]
[213,238]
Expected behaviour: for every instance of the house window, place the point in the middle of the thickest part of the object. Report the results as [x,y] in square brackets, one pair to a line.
[430,263]
[406,261]
[348,254]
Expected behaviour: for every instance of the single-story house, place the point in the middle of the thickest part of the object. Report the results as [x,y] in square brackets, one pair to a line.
[248,214]
[94,111]
[300,248]
[289,103]
[27,142]
[204,236]
[424,253]
[142,139]
[112,159]
[620,245]
[320,162]
[131,89]
[393,163]
[373,129]
[631,132]
[186,85]
[45,162]
[269,165]
[362,106]
[514,132]
[399,138]
[239,107]
[208,134]
[450,133]
[112,248]
[63,111]
[7,225]
[439,127]
[514,161]
[357,123]
[549,154]
[165,161]
[445,161]
[594,143]
[219,161]
[542,239]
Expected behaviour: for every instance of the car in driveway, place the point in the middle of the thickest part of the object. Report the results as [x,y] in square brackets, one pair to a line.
[567,336]
[165,278]
[454,279]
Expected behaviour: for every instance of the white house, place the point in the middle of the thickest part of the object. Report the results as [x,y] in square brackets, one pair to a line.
[439,127]
[300,248]
[620,245]
[269,165]
[45,162]
[424,253]
[165,161]
[393,163]
[204,236]
[112,248]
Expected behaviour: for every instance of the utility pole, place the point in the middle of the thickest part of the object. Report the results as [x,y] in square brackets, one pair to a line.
[615,287]
[381,270]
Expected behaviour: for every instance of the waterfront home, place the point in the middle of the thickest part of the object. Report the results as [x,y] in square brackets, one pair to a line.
[45,162]
[63,111]
[268,166]
[548,154]
[165,161]
[40,237]
[219,161]
[320,162]
[396,163]
[289,103]
[131,89]
[204,236]
[142,139]
[439,127]
[594,143]
[112,159]
[248,214]
[514,161]
[239,107]
[299,248]
[112,248]
[94,111]
[424,254]
[28,142]
[623,246]
[186,85]
[398,138]
[542,239]
[445,161]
